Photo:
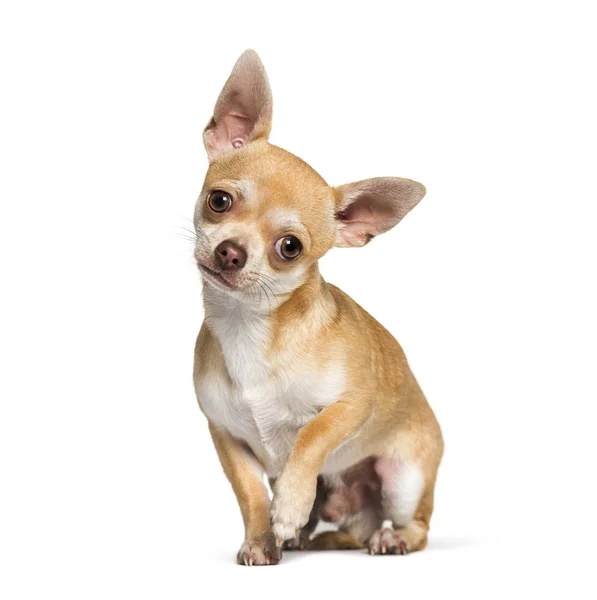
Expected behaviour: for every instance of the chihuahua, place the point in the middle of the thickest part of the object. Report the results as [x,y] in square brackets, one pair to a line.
[296,380]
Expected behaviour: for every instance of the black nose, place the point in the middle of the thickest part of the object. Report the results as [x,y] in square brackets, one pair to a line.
[230,256]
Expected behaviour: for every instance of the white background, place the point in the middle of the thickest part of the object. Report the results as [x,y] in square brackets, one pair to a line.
[110,487]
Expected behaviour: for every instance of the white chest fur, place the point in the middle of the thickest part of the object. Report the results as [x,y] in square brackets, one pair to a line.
[262,403]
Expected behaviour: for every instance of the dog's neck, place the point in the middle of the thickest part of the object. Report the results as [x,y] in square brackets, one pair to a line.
[247,326]
[264,302]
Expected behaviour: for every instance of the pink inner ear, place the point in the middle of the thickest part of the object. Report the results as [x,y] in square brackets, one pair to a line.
[367,213]
[364,219]
[232,129]
[243,110]
[373,206]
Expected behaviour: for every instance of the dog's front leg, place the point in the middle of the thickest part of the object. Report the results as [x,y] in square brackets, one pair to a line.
[294,491]
[246,477]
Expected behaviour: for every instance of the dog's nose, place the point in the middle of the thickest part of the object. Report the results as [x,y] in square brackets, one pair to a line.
[230,256]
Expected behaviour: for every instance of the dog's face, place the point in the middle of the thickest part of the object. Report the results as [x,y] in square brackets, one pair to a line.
[264,216]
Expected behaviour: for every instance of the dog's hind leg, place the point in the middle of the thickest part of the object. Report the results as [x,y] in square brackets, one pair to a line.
[407,505]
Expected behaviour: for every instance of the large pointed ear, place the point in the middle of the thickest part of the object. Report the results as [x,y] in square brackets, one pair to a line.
[367,208]
[243,112]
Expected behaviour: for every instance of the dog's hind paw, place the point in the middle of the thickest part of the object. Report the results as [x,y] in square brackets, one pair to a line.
[388,541]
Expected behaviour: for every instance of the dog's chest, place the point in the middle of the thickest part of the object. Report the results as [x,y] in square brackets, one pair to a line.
[266,416]
[262,403]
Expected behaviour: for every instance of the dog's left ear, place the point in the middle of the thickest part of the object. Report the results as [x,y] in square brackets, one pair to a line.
[243,112]
[367,208]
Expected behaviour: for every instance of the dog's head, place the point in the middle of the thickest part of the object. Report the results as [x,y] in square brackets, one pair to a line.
[264,216]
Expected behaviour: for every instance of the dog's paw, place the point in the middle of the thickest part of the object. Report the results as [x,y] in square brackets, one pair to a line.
[388,541]
[259,552]
[285,526]
[290,511]
[299,542]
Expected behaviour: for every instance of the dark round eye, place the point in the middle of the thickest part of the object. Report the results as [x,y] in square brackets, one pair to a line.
[288,247]
[219,201]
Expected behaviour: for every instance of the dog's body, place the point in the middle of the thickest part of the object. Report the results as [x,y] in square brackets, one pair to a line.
[297,380]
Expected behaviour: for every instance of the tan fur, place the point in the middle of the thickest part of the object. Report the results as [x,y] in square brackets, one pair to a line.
[334,540]
[381,412]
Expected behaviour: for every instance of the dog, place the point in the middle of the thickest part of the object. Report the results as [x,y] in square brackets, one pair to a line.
[296,380]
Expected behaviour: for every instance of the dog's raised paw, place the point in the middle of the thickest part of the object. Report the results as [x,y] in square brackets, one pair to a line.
[288,514]
[254,553]
[300,542]
[284,531]
[388,541]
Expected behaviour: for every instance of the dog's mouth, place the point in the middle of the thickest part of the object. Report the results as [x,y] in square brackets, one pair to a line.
[216,276]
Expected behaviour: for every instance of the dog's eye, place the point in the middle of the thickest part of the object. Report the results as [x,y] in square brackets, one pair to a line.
[219,201]
[288,247]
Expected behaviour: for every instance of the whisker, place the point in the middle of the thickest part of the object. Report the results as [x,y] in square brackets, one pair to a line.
[274,282]
[190,240]
[260,283]
[270,289]
[197,232]
[254,298]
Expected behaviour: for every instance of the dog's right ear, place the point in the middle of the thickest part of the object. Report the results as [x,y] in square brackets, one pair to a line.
[243,112]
